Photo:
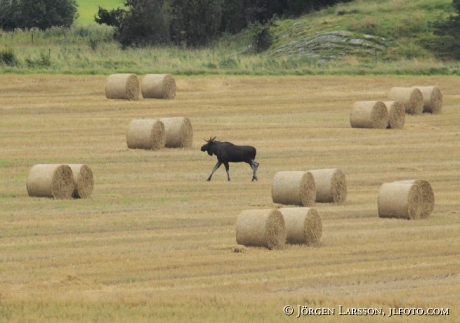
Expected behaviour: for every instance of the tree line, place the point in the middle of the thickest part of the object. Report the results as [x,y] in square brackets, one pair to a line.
[195,23]
[41,14]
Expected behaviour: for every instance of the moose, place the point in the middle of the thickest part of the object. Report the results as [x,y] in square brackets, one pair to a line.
[227,152]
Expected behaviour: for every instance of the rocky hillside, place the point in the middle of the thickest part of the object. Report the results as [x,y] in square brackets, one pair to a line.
[365,29]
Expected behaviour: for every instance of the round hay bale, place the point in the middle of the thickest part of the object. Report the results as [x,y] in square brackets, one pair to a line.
[410,98]
[179,132]
[122,86]
[331,185]
[432,99]
[158,86]
[396,114]
[50,180]
[261,228]
[303,225]
[294,188]
[369,114]
[400,200]
[146,134]
[83,178]
[427,196]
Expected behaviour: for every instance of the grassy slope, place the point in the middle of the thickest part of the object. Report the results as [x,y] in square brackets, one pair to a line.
[399,33]
[88,8]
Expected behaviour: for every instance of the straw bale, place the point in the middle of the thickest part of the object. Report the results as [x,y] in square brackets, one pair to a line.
[410,98]
[83,178]
[146,134]
[432,99]
[50,180]
[396,114]
[427,196]
[261,228]
[303,225]
[369,114]
[294,188]
[331,185]
[179,132]
[122,86]
[158,86]
[400,200]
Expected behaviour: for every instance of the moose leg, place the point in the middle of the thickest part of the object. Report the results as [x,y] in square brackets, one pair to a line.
[214,169]
[227,169]
[254,165]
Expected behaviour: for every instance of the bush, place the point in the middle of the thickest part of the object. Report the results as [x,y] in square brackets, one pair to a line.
[7,57]
[261,37]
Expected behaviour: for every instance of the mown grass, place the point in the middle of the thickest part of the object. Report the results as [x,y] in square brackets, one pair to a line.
[154,243]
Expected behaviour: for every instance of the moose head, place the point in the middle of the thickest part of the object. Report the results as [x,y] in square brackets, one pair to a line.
[207,147]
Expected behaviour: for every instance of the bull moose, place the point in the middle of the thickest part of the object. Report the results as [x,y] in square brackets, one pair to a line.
[227,152]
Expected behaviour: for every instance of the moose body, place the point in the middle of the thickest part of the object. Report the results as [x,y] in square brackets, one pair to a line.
[227,152]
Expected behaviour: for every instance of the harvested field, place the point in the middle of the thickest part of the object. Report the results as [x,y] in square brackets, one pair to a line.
[156,241]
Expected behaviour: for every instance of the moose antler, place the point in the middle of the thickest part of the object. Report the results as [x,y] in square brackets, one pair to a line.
[210,140]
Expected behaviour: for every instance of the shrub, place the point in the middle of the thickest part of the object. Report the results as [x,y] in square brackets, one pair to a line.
[261,37]
[7,57]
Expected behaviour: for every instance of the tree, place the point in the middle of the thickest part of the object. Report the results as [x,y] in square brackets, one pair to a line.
[194,23]
[9,12]
[447,44]
[149,22]
[42,14]
[145,23]
[112,18]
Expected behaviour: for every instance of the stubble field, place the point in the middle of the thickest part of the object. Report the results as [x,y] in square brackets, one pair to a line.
[156,242]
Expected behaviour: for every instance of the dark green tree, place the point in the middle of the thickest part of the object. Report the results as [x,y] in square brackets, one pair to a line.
[9,12]
[112,18]
[44,14]
[144,23]
[194,23]
[447,43]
